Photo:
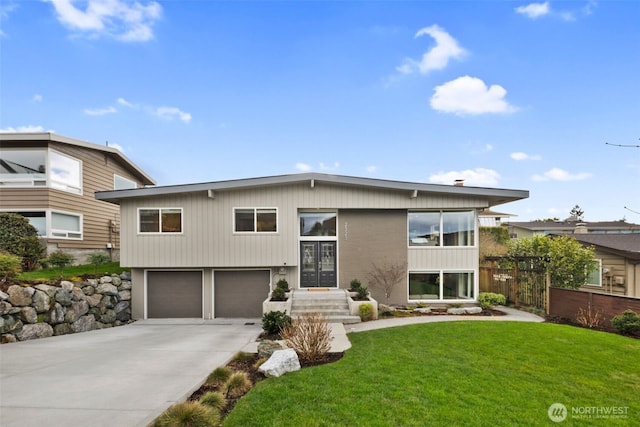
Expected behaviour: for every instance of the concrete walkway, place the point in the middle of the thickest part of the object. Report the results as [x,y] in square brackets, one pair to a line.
[340,341]
[124,376]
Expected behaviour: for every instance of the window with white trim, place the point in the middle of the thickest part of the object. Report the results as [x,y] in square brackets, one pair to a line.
[23,167]
[595,277]
[65,172]
[66,226]
[122,183]
[160,220]
[255,220]
[441,228]
[441,285]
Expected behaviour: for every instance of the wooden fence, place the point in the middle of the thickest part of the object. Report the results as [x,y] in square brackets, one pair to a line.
[565,303]
[521,287]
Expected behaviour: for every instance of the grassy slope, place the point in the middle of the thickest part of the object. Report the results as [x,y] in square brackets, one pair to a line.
[70,272]
[458,373]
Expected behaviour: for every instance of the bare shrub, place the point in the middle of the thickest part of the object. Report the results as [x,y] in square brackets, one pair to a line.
[589,318]
[387,276]
[309,336]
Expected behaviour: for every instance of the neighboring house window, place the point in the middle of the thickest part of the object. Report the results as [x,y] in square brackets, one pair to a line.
[66,226]
[441,285]
[442,228]
[65,173]
[23,168]
[255,220]
[122,183]
[595,277]
[318,224]
[160,220]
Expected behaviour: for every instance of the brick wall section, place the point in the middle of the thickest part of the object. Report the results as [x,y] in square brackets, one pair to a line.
[564,303]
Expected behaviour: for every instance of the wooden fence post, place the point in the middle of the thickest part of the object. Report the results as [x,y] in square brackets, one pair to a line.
[547,285]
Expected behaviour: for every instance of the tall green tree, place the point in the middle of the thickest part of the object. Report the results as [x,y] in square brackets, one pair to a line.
[567,261]
[577,212]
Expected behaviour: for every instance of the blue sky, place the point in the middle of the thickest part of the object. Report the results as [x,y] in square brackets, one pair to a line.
[503,94]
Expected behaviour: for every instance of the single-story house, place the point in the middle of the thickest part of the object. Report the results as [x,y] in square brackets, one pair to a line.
[618,257]
[217,249]
[570,226]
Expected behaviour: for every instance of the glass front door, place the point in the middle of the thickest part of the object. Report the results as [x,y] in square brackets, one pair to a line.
[318,264]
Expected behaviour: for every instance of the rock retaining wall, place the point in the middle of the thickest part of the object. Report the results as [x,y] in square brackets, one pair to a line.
[39,311]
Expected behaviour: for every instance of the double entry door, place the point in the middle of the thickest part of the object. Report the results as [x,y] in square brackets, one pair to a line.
[318,261]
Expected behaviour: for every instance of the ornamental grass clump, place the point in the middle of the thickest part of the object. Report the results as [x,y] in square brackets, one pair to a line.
[188,414]
[237,385]
[219,376]
[309,336]
[214,399]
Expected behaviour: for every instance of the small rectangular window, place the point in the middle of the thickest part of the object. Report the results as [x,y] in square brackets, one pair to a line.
[160,220]
[122,183]
[318,224]
[595,277]
[66,226]
[255,220]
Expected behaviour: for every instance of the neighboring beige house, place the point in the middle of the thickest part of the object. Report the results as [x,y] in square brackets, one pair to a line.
[216,249]
[51,180]
[519,230]
[618,257]
[490,218]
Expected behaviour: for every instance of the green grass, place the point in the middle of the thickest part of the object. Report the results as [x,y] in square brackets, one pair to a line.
[455,374]
[72,271]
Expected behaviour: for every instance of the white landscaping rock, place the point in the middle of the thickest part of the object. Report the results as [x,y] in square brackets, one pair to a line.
[473,310]
[280,362]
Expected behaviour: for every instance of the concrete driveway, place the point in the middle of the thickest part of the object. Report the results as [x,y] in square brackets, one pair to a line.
[124,376]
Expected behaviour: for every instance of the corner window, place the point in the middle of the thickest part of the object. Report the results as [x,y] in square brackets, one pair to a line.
[441,285]
[122,183]
[318,224]
[66,226]
[255,220]
[160,220]
[23,168]
[442,228]
[65,173]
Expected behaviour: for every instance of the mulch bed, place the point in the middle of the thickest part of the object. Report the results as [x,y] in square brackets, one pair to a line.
[248,365]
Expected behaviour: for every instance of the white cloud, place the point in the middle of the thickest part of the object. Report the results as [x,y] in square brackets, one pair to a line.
[488,148]
[5,11]
[303,167]
[534,10]
[126,103]
[170,113]
[470,95]
[124,20]
[99,111]
[524,156]
[324,167]
[24,129]
[475,177]
[438,56]
[557,174]
[372,169]
[37,98]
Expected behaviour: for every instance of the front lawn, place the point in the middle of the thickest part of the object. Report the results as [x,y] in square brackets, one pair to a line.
[456,373]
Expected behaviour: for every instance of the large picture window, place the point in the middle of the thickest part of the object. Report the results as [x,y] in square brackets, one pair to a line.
[442,228]
[66,173]
[255,220]
[160,220]
[23,167]
[441,285]
[318,224]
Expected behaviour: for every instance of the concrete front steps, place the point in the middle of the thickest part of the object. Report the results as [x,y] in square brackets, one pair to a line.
[332,303]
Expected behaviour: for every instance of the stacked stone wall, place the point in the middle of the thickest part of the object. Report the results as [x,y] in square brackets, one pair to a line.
[40,311]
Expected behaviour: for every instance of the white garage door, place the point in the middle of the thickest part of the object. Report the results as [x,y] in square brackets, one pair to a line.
[174,294]
[240,293]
